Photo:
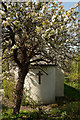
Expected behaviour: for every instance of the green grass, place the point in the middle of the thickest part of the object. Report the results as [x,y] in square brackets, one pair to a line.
[66,108]
[69,106]
[71,92]
[73,84]
[69,111]
[26,115]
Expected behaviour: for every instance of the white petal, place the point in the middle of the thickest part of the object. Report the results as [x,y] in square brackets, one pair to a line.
[2,12]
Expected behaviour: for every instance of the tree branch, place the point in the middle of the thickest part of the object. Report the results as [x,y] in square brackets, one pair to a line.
[39,59]
[15,57]
[5,7]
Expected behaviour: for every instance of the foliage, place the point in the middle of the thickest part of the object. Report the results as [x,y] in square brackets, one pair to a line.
[72,84]
[9,85]
[72,77]
[45,33]
[34,33]
[8,80]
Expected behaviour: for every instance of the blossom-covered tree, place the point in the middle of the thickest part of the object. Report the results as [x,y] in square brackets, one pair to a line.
[37,32]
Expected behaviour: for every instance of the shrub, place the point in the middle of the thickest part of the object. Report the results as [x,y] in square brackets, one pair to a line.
[9,85]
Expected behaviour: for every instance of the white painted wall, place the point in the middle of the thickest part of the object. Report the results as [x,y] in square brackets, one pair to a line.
[51,85]
[44,92]
[59,91]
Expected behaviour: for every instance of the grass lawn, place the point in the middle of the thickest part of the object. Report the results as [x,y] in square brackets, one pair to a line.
[65,108]
[71,92]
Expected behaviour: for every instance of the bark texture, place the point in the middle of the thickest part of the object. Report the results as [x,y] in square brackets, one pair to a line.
[19,89]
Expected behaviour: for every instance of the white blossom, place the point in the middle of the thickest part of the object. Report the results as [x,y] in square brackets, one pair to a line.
[53,18]
[15,22]
[14,47]
[56,31]
[16,37]
[62,27]
[63,15]
[4,22]
[7,41]
[2,12]
[7,72]
[59,17]
[48,30]
[7,78]
[45,9]
[8,18]
[67,40]
[8,6]
[65,19]
[43,36]
[52,31]
[38,28]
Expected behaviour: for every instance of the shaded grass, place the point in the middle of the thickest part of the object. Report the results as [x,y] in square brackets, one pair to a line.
[69,111]
[67,108]
[71,92]
[69,105]
[27,115]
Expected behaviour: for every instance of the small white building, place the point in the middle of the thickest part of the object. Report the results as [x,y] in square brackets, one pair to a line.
[44,83]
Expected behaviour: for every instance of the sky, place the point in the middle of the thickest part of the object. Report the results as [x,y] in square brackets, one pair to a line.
[69,0]
[68,5]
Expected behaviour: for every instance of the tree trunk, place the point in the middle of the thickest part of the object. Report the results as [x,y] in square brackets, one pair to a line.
[19,89]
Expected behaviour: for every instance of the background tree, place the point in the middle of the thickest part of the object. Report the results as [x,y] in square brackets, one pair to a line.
[73,74]
[37,32]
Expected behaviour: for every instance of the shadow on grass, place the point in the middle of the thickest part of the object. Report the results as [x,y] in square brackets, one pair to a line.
[70,95]
[35,115]
[69,112]
[71,92]
[4,108]
[69,105]
[67,109]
